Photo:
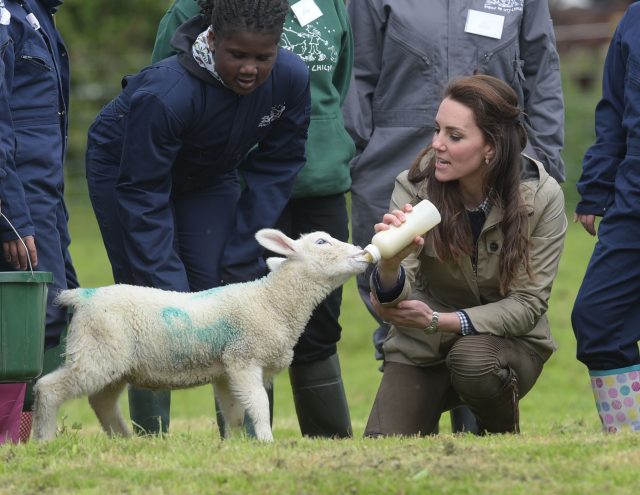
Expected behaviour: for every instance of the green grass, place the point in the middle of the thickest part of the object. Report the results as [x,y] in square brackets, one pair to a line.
[560,451]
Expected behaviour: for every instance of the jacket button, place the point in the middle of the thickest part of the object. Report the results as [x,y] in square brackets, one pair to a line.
[493,246]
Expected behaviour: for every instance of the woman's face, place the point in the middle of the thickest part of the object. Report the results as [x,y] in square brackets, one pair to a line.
[244,59]
[459,144]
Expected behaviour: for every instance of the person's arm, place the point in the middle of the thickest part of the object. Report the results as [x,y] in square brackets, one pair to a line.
[268,176]
[368,23]
[179,12]
[152,140]
[527,300]
[542,85]
[600,163]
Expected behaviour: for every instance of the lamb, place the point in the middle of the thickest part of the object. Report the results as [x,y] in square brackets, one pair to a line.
[236,337]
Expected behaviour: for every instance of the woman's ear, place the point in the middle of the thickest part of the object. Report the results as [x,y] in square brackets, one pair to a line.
[211,40]
[489,153]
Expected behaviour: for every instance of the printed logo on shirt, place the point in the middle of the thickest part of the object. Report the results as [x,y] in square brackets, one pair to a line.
[276,112]
[504,5]
[311,47]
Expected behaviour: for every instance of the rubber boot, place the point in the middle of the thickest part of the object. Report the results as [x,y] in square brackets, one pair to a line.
[463,421]
[149,410]
[248,423]
[320,400]
[617,395]
[26,420]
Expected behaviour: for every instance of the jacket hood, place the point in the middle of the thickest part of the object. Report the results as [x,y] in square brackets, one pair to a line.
[182,41]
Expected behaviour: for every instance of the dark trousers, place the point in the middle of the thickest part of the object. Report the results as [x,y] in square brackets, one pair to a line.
[487,373]
[328,214]
[202,222]
[606,313]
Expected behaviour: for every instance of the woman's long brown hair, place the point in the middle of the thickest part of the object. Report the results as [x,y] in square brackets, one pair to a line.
[495,108]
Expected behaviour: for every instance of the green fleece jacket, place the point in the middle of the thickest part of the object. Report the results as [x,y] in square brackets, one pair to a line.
[326,45]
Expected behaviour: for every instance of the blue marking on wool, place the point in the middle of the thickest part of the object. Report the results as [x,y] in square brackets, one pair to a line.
[192,345]
[176,318]
[87,293]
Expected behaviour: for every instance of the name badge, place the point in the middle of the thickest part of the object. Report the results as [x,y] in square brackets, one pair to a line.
[484,24]
[306,11]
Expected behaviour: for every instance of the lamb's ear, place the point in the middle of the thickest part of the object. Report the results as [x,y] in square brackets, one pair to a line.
[274,263]
[276,241]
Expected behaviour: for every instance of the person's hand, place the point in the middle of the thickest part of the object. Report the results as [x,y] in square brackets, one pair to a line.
[396,218]
[409,313]
[16,255]
[587,221]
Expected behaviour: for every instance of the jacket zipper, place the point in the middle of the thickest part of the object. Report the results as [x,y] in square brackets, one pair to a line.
[36,61]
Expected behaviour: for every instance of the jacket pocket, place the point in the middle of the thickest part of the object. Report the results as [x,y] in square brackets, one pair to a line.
[501,60]
[406,73]
[108,127]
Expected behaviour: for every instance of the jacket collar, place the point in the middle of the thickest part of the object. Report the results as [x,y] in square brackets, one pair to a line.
[182,41]
[533,177]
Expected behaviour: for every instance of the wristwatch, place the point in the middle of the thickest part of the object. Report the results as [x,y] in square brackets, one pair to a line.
[432,327]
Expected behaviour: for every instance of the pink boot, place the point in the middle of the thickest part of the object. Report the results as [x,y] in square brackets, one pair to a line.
[11,400]
[26,420]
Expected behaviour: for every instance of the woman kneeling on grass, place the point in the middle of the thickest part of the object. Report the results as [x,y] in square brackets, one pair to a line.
[468,300]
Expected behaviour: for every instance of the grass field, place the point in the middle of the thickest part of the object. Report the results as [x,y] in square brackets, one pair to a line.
[560,451]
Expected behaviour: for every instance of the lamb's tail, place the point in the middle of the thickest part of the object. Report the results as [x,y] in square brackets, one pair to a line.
[74,297]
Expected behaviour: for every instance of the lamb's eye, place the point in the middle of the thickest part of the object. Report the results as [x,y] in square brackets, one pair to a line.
[322,241]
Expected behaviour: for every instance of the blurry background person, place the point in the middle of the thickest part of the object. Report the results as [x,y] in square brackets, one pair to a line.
[36,77]
[405,53]
[606,313]
[468,308]
[323,40]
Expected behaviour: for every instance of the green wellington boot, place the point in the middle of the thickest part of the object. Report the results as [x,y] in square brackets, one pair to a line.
[321,404]
[149,410]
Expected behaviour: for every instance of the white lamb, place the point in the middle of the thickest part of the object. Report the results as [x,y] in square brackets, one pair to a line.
[236,337]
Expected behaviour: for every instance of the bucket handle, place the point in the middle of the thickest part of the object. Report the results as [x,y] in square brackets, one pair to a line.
[20,239]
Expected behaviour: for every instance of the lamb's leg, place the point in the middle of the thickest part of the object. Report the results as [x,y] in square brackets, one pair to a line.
[105,405]
[247,386]
[51,391]
[230,407]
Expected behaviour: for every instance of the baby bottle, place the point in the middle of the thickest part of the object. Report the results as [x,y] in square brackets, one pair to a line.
[388,243]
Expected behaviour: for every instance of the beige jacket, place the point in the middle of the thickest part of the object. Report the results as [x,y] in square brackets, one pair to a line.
[448,287]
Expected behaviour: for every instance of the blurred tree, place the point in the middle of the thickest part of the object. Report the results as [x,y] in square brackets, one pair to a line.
[106,40]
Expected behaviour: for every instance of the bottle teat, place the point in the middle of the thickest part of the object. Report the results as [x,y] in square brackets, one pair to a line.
[372,253]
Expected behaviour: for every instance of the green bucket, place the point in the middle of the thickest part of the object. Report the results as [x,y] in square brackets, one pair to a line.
[23,309]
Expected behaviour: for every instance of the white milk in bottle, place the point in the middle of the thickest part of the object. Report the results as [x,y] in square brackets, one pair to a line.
[388,243]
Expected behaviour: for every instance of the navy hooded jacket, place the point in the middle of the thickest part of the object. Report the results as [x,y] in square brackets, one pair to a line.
[175,129]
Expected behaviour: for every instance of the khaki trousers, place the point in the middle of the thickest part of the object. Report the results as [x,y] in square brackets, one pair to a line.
[485,372]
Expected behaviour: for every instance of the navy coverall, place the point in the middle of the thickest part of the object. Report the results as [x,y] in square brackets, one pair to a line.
[37,83]
[606,314]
